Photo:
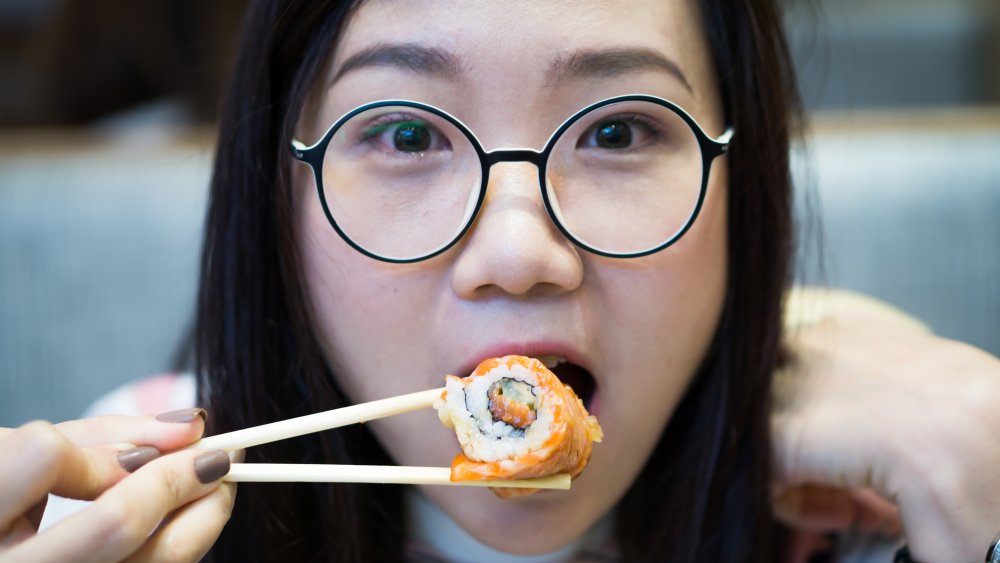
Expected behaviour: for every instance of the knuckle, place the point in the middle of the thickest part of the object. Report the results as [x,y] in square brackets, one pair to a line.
[46,443]
[40,431]
[173,484]
[225,498]
[176,487]
[122,526]
[164,482]
[190,541]
[175,550]
[95,426]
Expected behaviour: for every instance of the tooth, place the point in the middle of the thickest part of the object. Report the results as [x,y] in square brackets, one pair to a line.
[551,360]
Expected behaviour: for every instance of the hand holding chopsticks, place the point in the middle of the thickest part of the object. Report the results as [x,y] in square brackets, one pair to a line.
[278,472]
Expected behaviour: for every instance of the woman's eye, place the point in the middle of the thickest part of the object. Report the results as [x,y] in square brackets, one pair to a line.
[613,135]
[412,138]
[620,133]
[406,136]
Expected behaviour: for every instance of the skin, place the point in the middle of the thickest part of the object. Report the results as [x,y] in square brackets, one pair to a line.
[879,423]
[514,284]
[78,459]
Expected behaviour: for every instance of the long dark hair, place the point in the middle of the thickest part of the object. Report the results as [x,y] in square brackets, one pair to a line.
[703,493]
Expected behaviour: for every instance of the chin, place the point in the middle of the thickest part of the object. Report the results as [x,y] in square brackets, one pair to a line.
[540,523]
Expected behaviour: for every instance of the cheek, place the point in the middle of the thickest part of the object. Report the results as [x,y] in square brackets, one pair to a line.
[671,306]
[675,296]
[687,290]
[368,315]
[363,310]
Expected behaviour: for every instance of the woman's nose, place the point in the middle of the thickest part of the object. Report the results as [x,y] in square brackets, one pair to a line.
[514,247]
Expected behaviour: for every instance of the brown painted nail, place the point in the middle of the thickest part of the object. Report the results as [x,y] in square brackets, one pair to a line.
[134,458]
[183,415]
[210,466]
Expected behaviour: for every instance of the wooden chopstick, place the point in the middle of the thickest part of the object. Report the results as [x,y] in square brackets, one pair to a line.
[316,422]
[323,473]
[402,475]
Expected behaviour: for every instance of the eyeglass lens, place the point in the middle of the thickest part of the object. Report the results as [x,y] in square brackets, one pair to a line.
[402,182]
[626,177]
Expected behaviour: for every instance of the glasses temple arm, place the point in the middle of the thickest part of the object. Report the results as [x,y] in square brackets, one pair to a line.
[298,149]
[726,136]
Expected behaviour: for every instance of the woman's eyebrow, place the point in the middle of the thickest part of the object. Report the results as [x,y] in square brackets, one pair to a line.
[407,56]
[582,64]
[608,63]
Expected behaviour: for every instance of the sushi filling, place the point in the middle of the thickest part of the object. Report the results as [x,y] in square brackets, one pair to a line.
[512,402]
[477,408]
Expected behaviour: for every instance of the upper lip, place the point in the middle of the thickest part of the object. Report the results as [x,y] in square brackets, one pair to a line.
[533,348]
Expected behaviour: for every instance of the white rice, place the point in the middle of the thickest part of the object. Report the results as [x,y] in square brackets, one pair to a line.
[467,410]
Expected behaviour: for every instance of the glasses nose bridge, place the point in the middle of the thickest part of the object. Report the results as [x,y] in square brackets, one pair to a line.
[537,158]
[514,155]
[530,156]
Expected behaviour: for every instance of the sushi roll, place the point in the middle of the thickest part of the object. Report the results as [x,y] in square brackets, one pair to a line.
[514,419]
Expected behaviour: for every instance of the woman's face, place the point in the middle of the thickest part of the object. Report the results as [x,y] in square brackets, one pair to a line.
[514,284]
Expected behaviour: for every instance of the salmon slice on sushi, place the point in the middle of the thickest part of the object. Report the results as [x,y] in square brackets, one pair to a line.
[514,419]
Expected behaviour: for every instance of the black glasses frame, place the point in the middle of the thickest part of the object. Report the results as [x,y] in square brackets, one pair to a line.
[710,150]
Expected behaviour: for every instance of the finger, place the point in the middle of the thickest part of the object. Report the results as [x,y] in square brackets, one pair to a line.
[121,520]
[37,460]
[826,509]
[812,446]
[238,456]
[192,530]
[803,546]
[209,536]
[875,514]
[18,531]
[815,508]
[167,432]
[35,513]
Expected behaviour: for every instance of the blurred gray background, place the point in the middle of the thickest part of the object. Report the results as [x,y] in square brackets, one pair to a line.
[106,135]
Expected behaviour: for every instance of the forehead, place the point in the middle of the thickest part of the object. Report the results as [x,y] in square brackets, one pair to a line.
[524,54]
[538,23]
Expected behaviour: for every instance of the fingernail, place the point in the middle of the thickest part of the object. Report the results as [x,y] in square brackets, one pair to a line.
[134,458]
[183,415]
[211,466]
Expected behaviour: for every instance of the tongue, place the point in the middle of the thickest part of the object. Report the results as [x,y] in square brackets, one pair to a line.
[579,379]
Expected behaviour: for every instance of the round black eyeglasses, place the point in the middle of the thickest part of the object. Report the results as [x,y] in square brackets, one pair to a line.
[401,181]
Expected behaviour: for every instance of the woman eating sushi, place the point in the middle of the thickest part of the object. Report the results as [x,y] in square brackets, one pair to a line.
[405,190]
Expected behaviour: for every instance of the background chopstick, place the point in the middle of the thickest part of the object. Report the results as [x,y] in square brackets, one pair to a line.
[388,474]
[319,421]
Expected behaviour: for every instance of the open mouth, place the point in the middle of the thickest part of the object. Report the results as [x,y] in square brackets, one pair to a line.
[575,376]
